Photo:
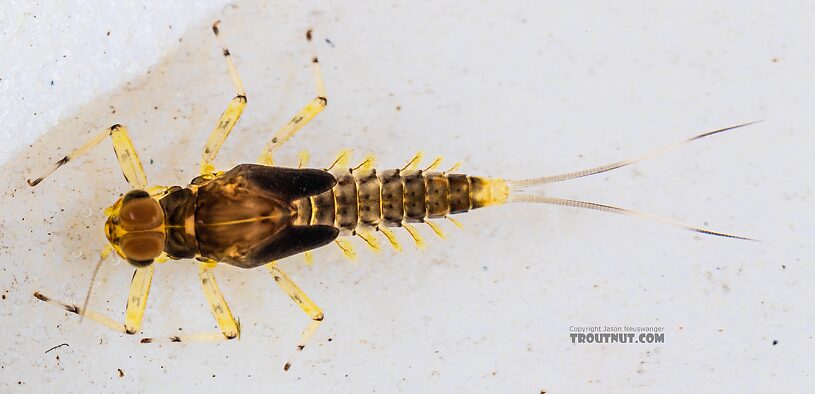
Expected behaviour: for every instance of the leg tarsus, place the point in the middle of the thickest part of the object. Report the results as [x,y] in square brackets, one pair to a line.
[230,116]
[229,325]
[95,316]
[233,71]
[136,303]
[302,117]
[303,301]
[125,153]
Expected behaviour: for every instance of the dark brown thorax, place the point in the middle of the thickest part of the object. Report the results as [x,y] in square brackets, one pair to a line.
[244,217]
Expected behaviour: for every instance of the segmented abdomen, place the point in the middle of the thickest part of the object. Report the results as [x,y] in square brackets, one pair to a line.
[393,197]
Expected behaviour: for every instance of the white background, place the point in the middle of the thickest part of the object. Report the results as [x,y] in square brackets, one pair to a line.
[513,91]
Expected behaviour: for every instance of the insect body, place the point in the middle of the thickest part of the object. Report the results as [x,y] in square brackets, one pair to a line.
[256,214]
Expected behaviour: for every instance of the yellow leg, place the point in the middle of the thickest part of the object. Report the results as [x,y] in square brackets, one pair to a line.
[230,116]
[125,153]
[303,301]
[302,117]
[220,310]
[136,303]
[137,299]
[229,325]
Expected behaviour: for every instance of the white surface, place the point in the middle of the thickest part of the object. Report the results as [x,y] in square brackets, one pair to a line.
[58,56]
[513,91]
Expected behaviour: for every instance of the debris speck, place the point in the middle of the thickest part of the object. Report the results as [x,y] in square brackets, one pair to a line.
[121,373]
[56,347]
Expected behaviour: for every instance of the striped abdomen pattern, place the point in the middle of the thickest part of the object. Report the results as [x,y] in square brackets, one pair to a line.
[369,199]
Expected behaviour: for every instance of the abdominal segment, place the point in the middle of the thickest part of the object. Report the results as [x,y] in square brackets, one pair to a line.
[394,197]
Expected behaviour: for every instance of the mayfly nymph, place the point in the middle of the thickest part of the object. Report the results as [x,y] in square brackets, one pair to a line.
[256,214]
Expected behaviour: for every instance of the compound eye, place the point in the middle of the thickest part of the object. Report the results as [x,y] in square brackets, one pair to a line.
[141,248]
[140,213]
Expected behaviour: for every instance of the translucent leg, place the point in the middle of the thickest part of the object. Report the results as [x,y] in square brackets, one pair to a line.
[230,116]
[301,299]
[302,117]
[229,325]
[136,304]
[125,153]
